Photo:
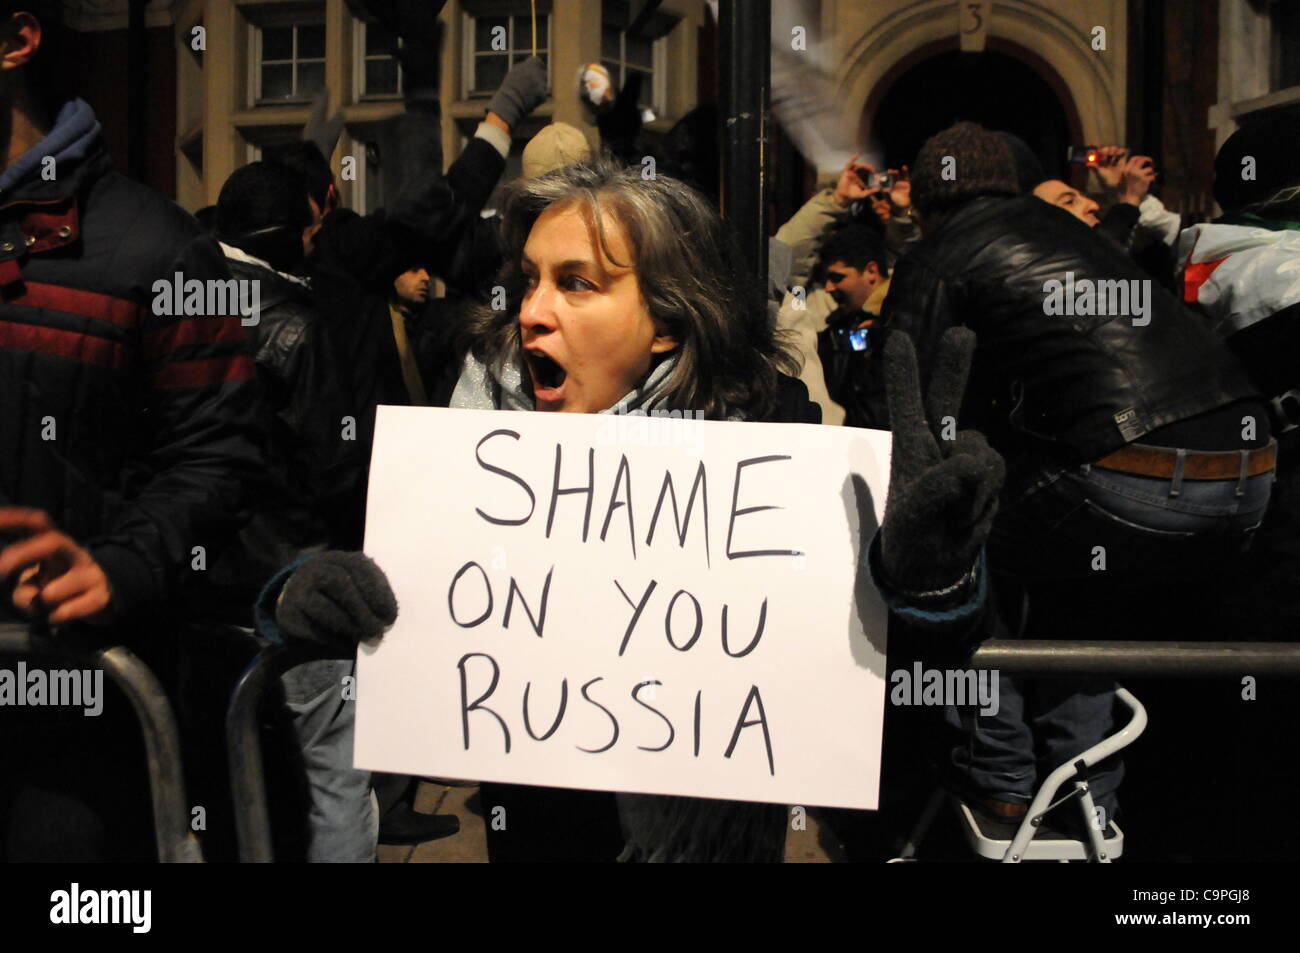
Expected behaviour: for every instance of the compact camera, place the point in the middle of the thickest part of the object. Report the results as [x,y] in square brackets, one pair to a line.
[1084,155]
[877,180]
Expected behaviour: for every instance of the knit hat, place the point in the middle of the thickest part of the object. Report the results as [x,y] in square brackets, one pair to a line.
[959,163]
[1273,142]
[556,146]
[1029,171]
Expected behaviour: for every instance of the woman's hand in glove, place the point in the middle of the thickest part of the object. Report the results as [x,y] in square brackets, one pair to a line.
[522,91]
[943,483]
[336,599]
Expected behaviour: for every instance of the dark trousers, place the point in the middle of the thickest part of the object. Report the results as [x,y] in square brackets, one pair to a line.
[527,823]
[1092,554]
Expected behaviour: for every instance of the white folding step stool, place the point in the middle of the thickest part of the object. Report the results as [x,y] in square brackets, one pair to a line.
[989,838]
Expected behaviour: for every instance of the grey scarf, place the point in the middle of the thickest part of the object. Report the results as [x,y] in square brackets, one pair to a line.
[657,828]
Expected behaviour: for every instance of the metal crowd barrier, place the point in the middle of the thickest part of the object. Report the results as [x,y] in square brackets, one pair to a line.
[1019,657]
[1050,658]
[244,741]
[162,741]
[176,844]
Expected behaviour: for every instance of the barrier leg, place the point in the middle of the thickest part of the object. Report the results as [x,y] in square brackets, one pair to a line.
[162,745]
[244,743]
[162,739]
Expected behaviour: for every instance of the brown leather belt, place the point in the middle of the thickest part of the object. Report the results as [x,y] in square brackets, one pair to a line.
[1160,462]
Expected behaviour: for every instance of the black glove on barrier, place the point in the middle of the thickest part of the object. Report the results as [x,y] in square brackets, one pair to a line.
[522,91]
[337,599]
[943,494]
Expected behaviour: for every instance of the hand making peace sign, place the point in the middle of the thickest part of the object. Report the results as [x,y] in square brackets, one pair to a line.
[943,483]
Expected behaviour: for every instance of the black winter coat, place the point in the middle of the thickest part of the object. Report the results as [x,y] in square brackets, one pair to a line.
[1080,386]
[312,468]
[792,404]
[135,430]
[356,261]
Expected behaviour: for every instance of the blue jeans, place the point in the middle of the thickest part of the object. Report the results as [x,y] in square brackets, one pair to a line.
[344,819]
[1089,553]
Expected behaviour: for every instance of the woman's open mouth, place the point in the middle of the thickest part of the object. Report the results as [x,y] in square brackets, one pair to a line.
[548,375]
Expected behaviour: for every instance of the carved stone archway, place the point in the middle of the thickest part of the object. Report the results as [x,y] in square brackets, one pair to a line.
[1090,85]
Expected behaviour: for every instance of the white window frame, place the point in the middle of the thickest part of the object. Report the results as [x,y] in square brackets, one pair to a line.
[252,138]
[1276,40]
[255,62]
[361,187]
[471,54]
[359,58]
[658,66]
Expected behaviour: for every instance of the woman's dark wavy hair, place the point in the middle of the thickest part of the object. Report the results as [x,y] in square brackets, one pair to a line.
[692,276]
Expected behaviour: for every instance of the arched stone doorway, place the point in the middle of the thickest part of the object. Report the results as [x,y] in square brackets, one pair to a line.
[892,37]
[933,88]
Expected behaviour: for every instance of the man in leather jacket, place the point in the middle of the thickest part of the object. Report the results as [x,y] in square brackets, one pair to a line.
[1138,453]
[262,222]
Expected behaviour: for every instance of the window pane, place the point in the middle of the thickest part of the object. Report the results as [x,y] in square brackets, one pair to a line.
[379,40]
[522,55]
[483,33]
[311,78]
[640,51]
[381,77]
[489,71]
[615,74]
[609,44]
[277,43]
[1286,45]
[523,39]
[311,41]
[277,81]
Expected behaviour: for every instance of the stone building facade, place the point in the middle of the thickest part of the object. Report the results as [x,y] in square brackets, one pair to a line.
[1172,78]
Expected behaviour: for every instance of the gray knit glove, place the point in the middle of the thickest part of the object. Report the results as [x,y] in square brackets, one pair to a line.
[522,91]
[337,599]
[322,129]
[943,493]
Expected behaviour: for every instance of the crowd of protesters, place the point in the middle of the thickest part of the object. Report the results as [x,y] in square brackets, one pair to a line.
[166,473]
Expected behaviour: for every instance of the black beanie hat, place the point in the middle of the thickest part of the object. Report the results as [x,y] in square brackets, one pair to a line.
[1274,144]
[1029,171]
[981,164]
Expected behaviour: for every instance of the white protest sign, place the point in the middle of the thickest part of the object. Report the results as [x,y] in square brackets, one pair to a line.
[627,604]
